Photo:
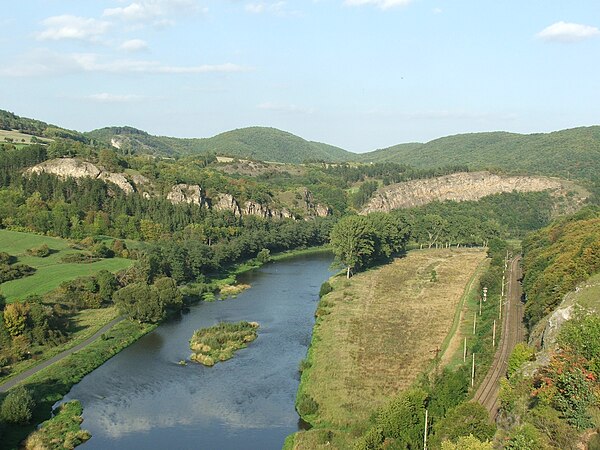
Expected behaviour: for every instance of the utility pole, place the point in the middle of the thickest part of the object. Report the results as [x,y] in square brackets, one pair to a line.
[502,293]
[494,335]
[474,322]
[425,435]
[479,305]
[485,294]
[500,308]
[473,372]
[465,351]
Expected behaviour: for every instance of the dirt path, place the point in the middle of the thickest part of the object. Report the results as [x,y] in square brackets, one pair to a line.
[512,332]
[24,375]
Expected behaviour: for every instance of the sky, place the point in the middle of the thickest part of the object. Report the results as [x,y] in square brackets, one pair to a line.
[359,74]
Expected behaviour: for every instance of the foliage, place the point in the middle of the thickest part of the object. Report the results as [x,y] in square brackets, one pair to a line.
[325,289]
[17,406]
[219,342]
[542,153]
[467,443]
[469,418]
[524,437]
[264,256]
[358,240]
[557,258]
[61,431]
[141,302]
[519,356]
[41,252]
[582,337]
[403,419]
[306,405]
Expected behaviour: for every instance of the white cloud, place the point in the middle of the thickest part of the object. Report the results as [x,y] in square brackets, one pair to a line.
[568,32]
[134,45]
[381,4]
[155,12]
[437,10]
[44,63]
[114,98]
[72,27]
[278,8]
[271,106]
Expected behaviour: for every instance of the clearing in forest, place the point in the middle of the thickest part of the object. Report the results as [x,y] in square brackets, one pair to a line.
[379,330]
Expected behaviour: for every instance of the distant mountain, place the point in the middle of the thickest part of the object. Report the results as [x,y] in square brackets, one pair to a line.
[265,144]
[10,121]
[571,153]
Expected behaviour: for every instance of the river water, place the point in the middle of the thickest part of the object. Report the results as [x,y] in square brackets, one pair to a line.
[142,399]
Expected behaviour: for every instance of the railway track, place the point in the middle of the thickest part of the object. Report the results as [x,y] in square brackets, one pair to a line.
[512,333]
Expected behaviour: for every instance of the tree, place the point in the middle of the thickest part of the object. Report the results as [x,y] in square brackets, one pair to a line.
[18,406]
[468,443]
[403,419]
[168,293]
[353,241]
[15,318]
[107,285]
[469,418]
[141,302]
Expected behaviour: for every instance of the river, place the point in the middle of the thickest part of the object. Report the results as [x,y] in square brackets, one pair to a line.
[142,399]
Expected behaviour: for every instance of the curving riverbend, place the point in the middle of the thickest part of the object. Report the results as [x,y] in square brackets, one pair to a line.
[142,398]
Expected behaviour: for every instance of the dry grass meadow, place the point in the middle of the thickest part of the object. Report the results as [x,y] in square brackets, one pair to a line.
[379,330]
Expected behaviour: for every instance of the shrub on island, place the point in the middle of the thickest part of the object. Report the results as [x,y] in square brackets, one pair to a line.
[219,342]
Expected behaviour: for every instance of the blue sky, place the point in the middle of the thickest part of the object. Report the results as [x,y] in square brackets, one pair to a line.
[360,74]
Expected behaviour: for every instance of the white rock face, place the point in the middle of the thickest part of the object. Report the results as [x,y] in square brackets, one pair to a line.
[187,193]
[74,168]
[462,186]
[226,202]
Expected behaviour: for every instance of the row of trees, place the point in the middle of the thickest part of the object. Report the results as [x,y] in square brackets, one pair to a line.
[358,241]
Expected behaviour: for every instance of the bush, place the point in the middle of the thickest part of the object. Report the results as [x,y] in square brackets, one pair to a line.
[264,256]
[325,289]
[519,356]
[306,405]
[468,418]
[403,418]
[17,407]
[41,252]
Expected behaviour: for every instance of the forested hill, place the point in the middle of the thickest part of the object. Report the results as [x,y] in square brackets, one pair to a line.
[573,153]
[258,143]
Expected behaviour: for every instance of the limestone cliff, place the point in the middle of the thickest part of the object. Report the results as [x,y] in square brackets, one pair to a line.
[187,193]
[74,168]
[458,187]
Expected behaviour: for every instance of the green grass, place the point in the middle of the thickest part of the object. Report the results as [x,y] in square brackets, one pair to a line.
[18,137]
[50,271]
[61,431]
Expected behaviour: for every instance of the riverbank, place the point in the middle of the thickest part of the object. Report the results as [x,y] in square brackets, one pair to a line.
[49,385]
[52,383]
[374,335]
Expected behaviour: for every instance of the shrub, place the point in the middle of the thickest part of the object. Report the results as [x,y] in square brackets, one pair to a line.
[468,418]
[519,356]
[325,289]
[41,252]
[403,418]
[264,256]
[17,407]
[306,405]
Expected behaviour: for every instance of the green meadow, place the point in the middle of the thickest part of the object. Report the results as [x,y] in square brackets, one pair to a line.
[50,271]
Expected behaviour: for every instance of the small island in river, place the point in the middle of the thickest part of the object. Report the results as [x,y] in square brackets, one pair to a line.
[219,342]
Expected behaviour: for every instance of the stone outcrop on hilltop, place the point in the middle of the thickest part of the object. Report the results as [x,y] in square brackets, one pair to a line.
[75,168]
[461,186]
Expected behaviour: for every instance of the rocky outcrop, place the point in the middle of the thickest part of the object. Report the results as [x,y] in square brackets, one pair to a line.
[187,193]
[74,168]
[313,209]
[226,202]
[458,187]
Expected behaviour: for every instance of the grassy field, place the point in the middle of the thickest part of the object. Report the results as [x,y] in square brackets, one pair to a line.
[20,138]
[378,331]
[51,272]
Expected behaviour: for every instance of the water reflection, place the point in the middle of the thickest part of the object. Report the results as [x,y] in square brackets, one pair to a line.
[142,399]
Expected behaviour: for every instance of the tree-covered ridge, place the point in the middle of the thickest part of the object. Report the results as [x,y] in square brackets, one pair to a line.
[572,153]
[557,258]
[10,121]
[257,143]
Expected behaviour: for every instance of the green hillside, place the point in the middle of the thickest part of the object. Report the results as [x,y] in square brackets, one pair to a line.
[573,153]
[259,143]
